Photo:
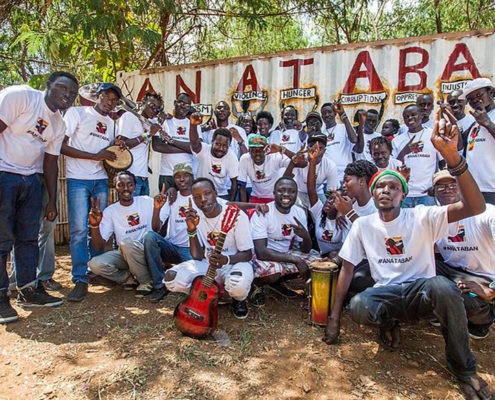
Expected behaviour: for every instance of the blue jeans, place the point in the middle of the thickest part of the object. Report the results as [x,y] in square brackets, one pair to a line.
[20,211]
[158,249]
[383,306]
[411,202]
[142,187]
[489,197]
[79,192]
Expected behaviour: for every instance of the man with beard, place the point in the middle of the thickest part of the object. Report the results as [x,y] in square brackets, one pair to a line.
[341,138]
[31,133]
[274,234]
[174,247]
[234,269]
[398,244]
[481,140]
[90,130]
[216,161]
[417,152]
[287,133]
[176,149]
[468,257]
[129,219]
[136,139]
[222,114]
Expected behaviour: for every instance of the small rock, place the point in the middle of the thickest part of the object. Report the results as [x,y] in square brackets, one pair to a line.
[306,388]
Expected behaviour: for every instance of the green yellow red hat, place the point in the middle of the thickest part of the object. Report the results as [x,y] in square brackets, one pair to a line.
[380,174]
[257,141]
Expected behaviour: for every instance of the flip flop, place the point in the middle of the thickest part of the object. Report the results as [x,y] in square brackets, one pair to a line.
[390,338]
[475,388]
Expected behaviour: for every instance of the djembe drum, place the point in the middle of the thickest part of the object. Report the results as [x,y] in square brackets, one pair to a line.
[324,275]
[121,163]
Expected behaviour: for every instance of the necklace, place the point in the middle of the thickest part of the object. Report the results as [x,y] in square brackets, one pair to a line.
[415,134]
[330,134]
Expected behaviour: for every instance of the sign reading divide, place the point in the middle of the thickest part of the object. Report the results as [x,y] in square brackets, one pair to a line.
[362,75]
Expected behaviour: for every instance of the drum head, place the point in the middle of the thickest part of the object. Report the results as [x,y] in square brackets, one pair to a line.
[323,265]
[123,161]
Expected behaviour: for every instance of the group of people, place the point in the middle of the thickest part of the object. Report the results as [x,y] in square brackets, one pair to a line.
[409,224]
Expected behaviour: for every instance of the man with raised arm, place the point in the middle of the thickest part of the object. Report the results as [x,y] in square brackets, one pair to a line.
[398,244]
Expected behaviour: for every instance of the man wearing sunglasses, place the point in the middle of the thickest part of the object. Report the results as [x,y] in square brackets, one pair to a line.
[137,139]
[468,257]
[481,139]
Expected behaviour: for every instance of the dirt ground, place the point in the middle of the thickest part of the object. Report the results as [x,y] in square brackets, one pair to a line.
[115,346]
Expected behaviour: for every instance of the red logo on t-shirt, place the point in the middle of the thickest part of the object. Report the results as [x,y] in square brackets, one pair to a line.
[181,130]
[286,229]
[330,137]
[216,168]
[327,235]
[285,137]
[101,128]
[212,238]
[395,246]
[260,174]
[41,125]
[418,147]
[460,237]
[183,211]
[133,219]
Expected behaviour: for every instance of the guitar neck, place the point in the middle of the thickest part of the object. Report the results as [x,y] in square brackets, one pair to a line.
[212,270]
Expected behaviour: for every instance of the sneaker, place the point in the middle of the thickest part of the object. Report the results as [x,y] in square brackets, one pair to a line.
[130,283]
[51,285]
[240,309]
[435,322]
[478,332]
[7,312]
[158,294]
[79,292]
[144,289]
[37,297]
[283,290]
[257,296]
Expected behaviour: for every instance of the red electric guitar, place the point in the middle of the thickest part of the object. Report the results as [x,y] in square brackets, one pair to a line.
[197,315]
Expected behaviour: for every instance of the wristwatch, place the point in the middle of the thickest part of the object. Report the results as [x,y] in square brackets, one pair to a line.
[492,285]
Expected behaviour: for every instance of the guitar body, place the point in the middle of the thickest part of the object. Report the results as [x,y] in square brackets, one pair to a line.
[197,315]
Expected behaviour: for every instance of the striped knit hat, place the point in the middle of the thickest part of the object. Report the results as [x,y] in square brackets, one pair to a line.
[385,172]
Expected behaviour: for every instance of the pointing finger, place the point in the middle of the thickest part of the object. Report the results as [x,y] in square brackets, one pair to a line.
[298,222]
[163,188]
[190,203]
[98,203]
[92,200]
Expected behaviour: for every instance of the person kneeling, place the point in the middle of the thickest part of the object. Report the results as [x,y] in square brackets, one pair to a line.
[234,270]
[130,218]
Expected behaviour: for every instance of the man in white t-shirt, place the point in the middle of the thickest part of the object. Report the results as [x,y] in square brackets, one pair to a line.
[222,114]
[137,139]
[481,140]
[204,226]
[458,106]
[174,247]
[369,133]
[417,152]
[90,130]
[425,102]
[287,134]
[176,148]
[129,219]
[468,257]
[216,161]
[274,234]
[261,170]
[398,244]
[31,133]
[341,138]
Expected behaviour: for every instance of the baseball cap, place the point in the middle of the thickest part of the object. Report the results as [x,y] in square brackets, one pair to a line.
[182,167]
[109,86]
[256,141]
[475,84]
[442,174]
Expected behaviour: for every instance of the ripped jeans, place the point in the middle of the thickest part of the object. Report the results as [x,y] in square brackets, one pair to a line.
[383,306]
[236,278]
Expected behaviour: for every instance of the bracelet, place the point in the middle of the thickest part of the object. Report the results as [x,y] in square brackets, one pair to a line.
[94,226]
[228,259]
[192,234]
[458,169]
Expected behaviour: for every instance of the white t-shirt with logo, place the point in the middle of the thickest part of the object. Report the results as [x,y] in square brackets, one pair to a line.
[329,237]
[127,221]
[234,146]
[262,177]
[92,132]
[465,123]
[32,129]
[361,211]
[480,156]
[177,129]
[176,226]
[237,239]
[276,227]
[366,154]
[131,127]
[398,251]
[288,138]
[339,147]
[393,163]
[471,245]
[219,170]
[326,172]
[423,164]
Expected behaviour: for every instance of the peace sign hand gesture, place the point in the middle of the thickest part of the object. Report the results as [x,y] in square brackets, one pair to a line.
[95,215]
[314,152]
[192,217]
[445,134]
[299,229]
[160,199]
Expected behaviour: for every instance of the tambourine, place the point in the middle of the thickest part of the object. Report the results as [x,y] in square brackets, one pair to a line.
[121,163]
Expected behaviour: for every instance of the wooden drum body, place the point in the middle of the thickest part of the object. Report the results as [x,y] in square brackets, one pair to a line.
[121,163]
[324,275]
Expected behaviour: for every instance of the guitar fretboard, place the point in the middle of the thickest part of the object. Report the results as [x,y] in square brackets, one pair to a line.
[212,270]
